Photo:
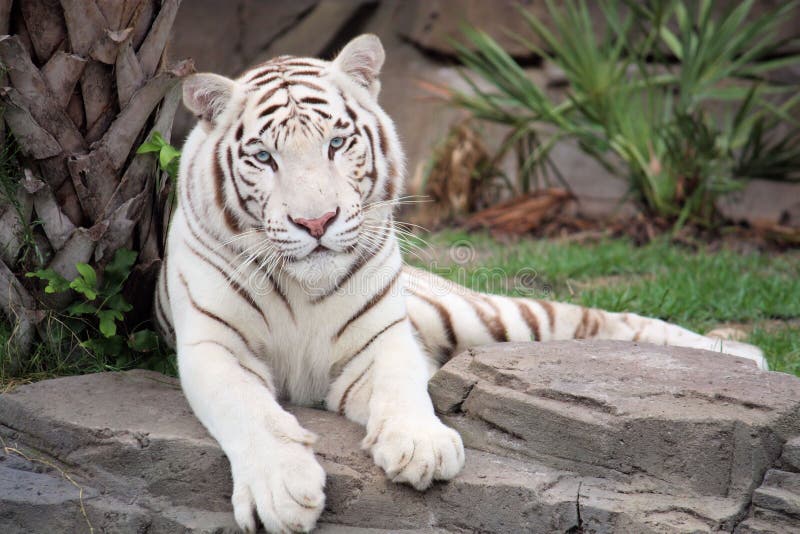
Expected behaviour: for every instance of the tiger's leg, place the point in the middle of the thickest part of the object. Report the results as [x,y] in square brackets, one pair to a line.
[273,466]
[385,387]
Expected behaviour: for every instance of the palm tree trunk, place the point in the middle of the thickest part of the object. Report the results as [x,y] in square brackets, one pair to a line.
[85,86]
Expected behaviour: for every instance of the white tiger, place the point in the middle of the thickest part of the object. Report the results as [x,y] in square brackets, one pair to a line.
[283,280]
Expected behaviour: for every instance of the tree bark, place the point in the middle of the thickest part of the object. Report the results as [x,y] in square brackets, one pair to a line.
[83,85]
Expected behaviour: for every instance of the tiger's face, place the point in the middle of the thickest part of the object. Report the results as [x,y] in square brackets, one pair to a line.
[306,159]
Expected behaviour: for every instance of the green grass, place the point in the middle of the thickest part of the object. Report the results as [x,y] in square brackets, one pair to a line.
[696,289]
[62,354]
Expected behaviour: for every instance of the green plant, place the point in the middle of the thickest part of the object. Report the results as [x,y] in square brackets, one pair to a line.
[97,318]
[640,115]
[169,157]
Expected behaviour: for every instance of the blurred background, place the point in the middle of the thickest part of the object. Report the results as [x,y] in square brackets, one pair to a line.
[421,40]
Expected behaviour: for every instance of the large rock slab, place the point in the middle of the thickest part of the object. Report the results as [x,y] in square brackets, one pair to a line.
[598,436]
[706,421]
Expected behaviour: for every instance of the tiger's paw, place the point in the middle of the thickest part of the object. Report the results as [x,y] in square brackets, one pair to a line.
[283,483]
[415,451]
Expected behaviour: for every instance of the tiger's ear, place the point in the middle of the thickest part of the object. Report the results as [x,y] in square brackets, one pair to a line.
[207,95]
[362,60]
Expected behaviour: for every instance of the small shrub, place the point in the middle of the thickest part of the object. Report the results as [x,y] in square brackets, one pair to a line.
[97,317]
[650,121]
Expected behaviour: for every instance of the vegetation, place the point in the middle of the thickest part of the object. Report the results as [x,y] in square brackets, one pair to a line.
[674,95]
[700,290]
[87,326]
[81,97]
[91,334]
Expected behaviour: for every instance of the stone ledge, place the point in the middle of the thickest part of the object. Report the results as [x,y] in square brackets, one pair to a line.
[635,438]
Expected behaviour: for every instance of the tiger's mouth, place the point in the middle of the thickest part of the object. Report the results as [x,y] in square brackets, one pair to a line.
[318,252]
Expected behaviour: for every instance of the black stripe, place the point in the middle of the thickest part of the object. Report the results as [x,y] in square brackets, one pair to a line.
[444,315]
[343,400]
[308,84]
[530,319]
[189,208]
[297,63]
[211,315]
[262,83]
[242,200]
[321,113]
[219,191]
[164,322]
[230,351]
[234,284]
[493,324]
[372,174]
[350,112]
[551,313]
[305,73]
[270,110]
[273,281]
[313,100]
[338,368]
[377,297]
[279,290]
[265,128]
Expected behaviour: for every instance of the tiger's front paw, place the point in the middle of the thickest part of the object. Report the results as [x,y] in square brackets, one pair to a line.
[283,482]
[415,451]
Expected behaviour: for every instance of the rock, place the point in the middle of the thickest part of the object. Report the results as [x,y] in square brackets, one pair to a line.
[562,437]
[710,423]
[130,437]
[780,492]
[791,454]
[434,24]
[763,201]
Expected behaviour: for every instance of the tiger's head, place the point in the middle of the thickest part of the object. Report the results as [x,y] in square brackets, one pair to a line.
[303,157]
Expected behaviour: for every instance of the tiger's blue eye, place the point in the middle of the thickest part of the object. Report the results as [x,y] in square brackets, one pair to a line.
[337,142]
[263,156]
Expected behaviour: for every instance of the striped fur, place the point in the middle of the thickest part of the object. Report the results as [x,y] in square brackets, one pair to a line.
[260,309]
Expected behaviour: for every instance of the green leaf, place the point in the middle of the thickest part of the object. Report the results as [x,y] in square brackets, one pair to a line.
[143,341]
[118,269]
[167,155]
[81,308]
[154,144]
[117,302]
[55,282]
[80,286]
[88,274]
[108,322]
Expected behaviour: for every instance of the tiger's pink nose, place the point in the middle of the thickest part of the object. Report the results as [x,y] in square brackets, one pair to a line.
[316,227]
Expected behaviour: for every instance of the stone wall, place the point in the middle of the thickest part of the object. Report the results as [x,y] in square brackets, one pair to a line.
[227,36]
